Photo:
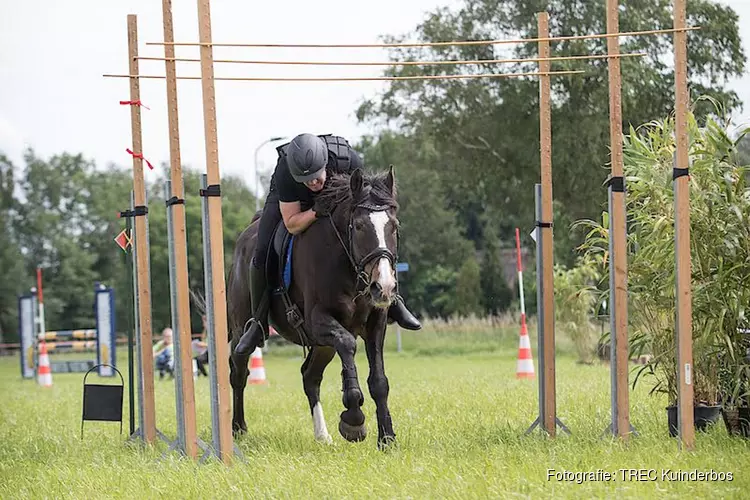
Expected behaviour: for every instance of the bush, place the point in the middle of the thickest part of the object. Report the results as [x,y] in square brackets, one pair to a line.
[720,252]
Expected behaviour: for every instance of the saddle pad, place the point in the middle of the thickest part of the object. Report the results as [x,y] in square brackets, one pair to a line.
[287,274]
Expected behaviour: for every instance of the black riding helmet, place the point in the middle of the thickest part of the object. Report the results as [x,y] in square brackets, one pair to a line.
[306,155]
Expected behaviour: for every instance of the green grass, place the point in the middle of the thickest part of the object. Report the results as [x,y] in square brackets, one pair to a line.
[459,421]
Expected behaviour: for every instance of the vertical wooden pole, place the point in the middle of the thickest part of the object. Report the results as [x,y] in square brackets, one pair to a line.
[545,138]
[216,234]
[142,255]
[682,237]
[183,330]
[618,246]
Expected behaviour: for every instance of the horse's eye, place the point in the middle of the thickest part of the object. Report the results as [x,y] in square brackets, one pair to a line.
[358,226]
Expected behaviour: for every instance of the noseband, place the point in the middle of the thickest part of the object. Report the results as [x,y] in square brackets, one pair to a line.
[379,253]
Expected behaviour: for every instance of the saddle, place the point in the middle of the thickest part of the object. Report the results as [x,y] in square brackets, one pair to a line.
[279,272]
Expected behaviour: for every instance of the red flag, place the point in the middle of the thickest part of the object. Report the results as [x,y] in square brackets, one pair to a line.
[122,240]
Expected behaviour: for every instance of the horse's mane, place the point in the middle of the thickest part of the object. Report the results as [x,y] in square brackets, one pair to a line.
[337,191]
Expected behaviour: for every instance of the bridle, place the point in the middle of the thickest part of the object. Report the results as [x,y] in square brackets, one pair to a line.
[380,252]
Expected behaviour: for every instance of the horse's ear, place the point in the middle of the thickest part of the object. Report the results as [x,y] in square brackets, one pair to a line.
[390,181]
[356,181]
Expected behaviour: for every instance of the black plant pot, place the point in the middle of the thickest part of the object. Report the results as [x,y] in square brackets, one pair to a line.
[703,417]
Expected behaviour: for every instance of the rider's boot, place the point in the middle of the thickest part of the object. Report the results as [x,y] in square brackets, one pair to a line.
[256,329]
[399,313]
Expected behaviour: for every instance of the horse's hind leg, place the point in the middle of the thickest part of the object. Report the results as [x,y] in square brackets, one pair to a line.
[238,373]
[312,375]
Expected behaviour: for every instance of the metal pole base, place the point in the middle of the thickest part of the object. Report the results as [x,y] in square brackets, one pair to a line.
[211,452]
[610,431]
[538,422]
[138,436]
[175,446]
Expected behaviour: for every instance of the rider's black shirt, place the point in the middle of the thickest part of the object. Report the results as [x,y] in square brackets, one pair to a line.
[288,190]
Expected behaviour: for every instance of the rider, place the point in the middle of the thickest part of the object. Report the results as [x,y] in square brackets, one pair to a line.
[301,170]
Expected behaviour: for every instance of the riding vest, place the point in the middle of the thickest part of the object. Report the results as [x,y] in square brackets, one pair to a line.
[337,146]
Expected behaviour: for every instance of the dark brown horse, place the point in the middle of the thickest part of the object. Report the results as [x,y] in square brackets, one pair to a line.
[343,279]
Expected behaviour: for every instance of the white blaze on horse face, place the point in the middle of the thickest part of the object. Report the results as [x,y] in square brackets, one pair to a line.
[386,278]
[319,425]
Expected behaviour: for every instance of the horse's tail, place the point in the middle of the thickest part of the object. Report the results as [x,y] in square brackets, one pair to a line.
[200,303]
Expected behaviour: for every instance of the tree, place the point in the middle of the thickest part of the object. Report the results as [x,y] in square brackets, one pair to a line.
[469,289]
[496,296]
[486,131]
[11,258]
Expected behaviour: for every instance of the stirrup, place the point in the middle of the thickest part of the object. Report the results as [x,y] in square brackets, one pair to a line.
[248,338]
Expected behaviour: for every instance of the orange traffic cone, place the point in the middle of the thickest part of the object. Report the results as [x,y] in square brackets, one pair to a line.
[257,370]
[525,367]
[44,373]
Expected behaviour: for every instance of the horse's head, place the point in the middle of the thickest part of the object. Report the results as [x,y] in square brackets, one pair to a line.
[374,234]
[369,213]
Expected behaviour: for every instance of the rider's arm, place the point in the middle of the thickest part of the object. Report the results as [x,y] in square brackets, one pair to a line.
[295,219]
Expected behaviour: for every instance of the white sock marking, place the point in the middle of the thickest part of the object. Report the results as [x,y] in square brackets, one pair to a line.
[385,278]
[319,425]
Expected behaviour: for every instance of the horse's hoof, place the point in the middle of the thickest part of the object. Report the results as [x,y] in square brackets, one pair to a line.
[387,443]
[239,430]
[353,433]
[324,439]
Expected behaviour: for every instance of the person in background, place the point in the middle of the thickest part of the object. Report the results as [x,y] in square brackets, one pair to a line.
[164,354]
[200,350]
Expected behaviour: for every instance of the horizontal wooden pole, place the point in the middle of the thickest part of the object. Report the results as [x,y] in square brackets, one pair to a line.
[355,79]
[401,63]
[427,44]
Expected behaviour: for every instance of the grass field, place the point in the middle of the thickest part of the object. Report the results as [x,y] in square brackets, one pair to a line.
[459,416]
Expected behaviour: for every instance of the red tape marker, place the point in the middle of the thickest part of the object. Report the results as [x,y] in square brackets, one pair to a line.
[135,103]
[140,155]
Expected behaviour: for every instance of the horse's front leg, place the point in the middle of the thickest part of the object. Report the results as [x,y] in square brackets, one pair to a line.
[329,332]
[377,381]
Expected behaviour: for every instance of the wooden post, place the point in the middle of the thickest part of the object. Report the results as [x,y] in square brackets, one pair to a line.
[186,387]
[148,426]
[682,237]
[219,310]
[618,263]
[545,142]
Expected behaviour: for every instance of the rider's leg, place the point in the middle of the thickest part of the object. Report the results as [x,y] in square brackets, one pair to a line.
[399,313]
[257,328]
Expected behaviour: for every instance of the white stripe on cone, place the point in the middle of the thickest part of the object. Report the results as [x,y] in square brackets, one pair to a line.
[45,370]
[525,366]
[257,370]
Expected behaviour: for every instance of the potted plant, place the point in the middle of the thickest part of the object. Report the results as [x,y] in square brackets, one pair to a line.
[720,258]
[735,383]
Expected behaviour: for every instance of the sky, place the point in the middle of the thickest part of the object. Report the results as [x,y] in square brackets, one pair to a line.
[53,54]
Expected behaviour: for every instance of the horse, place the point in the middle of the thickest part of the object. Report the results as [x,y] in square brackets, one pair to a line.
[343,280]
